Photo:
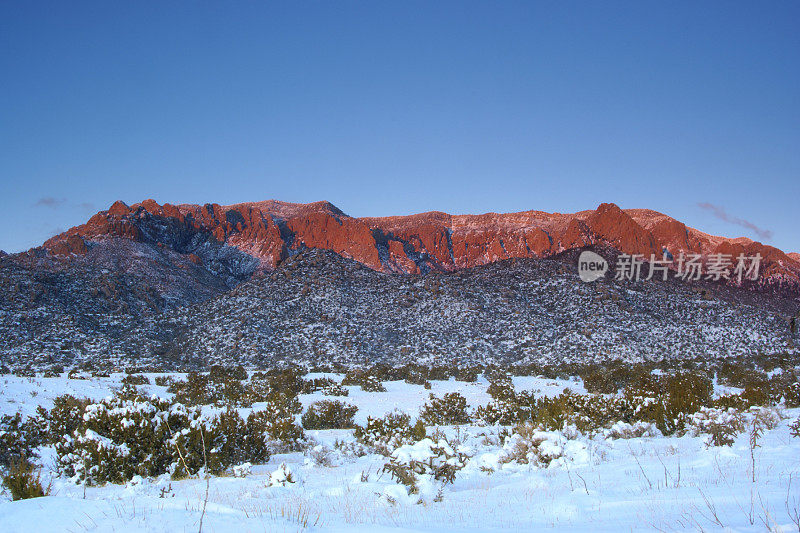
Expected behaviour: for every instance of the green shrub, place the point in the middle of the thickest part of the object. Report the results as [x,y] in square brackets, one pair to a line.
[19,439]
[23,481]
[220,391]
[668,400]
[451,409]
[319,384]
[468,374]
[364,379]
[135,379]
[425,458]
[794,428]
[393,430]
[329,414]
[525,446]
[121,438]
[164,381]
[721,426]
[221,374]
[335,389]
[64,418]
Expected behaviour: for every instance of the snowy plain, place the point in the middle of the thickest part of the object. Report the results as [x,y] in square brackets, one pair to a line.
[597,484]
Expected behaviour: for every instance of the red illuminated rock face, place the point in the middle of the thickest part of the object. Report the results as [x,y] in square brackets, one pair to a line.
[270,231]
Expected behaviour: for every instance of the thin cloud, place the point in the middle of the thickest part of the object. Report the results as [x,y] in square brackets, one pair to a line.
[721,214]
[86,206]
[49,201]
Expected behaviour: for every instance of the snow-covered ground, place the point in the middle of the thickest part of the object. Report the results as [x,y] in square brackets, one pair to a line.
[595,483]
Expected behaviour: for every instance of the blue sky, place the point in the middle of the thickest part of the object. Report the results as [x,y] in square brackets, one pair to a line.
[390,108]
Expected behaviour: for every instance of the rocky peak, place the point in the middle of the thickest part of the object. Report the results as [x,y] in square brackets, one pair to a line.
[262,234]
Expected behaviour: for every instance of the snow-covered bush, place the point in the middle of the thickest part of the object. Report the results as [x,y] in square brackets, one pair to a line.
[221,387]
[794,428]
[281,477]
[506,412]
[364,379]
[530,445]
[791,391]
[276,421]
[765,417]
[242,470]
[667,400]
[136,379]
[329,414]
[721,425]
[120,438]
[384,435]
[64,418]
[451,409]
[164,381]
[588,412]
[426,458]
[624,430]
[19,439]
[334,389]
[23,480]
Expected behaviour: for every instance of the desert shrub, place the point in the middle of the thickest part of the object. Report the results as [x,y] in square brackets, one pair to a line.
[372,384]
[19,439]
[194,390]
[121,438]
[721,426]
[416,376]
[435,460]
[755,395]
[164,381]
[530,445]
[288,381]
[503,412]
[765,417]
[329,414]
[199,389]
[221,374]
[235,441]
[788,390]
[501,388]
[258,389]
[319,384]
[624,430]
[734,374]
[467,374]
[23,480]
[135,379]
[794,428]
[451,409]
[53,372]
[364,379]
[385,434]
[64,418]
[668,400]
[588,412]
[730,401]
[334,389]
[277,419]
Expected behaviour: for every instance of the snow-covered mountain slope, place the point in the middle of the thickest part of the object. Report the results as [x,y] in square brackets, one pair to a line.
[319,307]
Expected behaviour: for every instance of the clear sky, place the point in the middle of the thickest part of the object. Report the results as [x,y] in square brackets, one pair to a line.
[388,108]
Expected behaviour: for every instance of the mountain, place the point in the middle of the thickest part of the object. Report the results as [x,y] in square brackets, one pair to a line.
[243,238]
[188,286]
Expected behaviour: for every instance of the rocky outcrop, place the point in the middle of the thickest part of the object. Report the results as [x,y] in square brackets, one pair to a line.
[243,238]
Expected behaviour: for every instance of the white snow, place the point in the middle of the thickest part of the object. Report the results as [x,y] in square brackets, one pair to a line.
[628,478]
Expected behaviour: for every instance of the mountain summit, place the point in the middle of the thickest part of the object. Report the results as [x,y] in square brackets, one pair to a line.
[262,234]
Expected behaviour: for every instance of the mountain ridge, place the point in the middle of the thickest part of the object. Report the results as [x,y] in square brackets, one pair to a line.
[270,231]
